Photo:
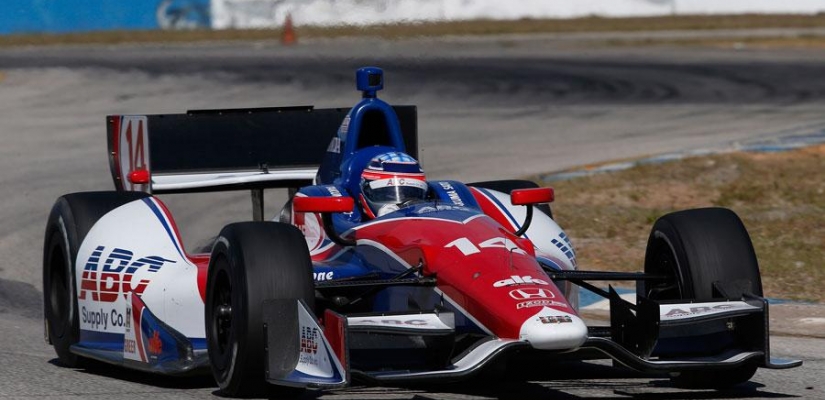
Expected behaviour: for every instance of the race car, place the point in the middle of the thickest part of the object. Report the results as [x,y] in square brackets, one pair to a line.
[371,271]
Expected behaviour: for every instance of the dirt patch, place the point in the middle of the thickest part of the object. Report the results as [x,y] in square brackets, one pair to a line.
[779,196]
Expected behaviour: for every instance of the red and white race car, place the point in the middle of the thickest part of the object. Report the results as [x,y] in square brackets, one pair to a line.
[371,271]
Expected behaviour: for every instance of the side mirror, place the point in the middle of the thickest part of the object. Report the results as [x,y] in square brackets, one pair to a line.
[323,204]
[528,197]
[326,206]
[139,177]
[523,197]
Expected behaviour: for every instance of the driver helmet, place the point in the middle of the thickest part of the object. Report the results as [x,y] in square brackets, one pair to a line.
[389,181]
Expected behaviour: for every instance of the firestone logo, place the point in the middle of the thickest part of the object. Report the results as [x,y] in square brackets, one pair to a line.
[106,282]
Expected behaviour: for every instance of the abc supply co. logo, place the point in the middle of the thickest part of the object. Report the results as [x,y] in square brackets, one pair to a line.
[104,279]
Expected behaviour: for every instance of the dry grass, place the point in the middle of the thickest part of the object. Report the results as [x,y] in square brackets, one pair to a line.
[784,42]
[478,27]
[779,196]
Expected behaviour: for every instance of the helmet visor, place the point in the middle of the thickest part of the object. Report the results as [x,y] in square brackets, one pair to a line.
[394,190]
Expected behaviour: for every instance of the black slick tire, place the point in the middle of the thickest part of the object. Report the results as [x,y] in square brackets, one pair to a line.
[71,218]
[702,250]
[251,262]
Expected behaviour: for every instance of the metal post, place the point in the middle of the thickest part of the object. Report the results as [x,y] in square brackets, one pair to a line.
[257,204]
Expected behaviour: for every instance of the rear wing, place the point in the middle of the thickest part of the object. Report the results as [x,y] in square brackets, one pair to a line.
[221,150]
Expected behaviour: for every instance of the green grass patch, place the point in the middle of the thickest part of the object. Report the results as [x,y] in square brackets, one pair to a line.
[779,196]
[476,27]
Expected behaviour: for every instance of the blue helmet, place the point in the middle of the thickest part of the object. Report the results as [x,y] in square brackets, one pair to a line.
[389,181]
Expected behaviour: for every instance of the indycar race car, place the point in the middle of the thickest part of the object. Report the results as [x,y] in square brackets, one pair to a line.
[371,271]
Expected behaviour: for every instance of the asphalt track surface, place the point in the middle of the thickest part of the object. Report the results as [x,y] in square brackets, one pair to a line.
[488,109]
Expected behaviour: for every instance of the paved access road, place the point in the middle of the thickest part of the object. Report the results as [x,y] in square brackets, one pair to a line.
[488,108]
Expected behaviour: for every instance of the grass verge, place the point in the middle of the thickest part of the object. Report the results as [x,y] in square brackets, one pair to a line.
[407,30]
[779,196]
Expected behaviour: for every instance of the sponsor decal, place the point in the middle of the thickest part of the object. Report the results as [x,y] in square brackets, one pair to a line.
[392,322]
[309,345]
[344,128]
[532,293]
[555,319]
[133,343]
[700,310]
[323,276]
[314,356]
[396,181]
[540,303]
[520,280]
[333,191]
[334,145]
[440,207]
[155,344]
[100,319]
[452,193]
[413,321]
[129,346]
[310,226]
[566,247]
[113,278]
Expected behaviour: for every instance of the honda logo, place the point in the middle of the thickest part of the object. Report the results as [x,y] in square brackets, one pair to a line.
[531,293]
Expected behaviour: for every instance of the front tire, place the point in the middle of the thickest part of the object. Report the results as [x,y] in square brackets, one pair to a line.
[709,255]
[71,218]
[251,262]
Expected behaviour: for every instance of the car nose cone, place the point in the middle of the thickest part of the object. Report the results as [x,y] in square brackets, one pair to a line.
[551,329]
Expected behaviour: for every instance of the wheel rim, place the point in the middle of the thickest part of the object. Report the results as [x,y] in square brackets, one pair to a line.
[221,323]
[664,262]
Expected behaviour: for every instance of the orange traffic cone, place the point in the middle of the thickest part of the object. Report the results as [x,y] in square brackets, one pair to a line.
[288,32]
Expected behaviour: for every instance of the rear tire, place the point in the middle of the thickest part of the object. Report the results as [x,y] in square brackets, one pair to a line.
[698,248]
[71,218]
[507,186]
[251,262]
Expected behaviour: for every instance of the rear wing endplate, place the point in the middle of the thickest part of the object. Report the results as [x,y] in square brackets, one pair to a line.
[220,150]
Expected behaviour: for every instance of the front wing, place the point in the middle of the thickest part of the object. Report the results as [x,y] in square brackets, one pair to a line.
[648,337]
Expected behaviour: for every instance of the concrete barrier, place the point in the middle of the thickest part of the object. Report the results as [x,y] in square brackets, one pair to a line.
[272,13]
[62,16]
